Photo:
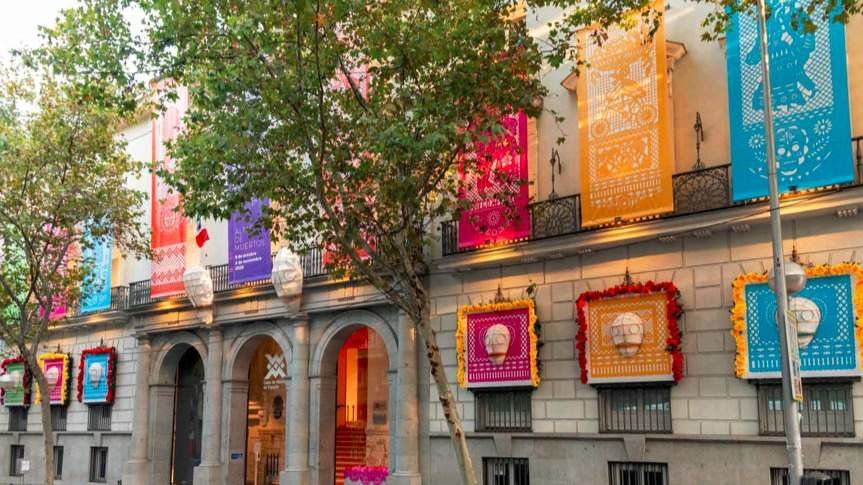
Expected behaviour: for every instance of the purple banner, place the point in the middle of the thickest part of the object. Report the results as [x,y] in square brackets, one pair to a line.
[248,255]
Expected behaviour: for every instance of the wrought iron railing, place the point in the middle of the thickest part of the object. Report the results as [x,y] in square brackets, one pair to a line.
[312,262]
[556,216]
[702,190]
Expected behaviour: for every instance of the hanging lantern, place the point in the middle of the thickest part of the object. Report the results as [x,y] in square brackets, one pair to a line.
[287,274]
[497,340]
[627,333]
[199,286]
[807,316]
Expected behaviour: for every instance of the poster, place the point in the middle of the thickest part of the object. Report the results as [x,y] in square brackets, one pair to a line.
[248,255]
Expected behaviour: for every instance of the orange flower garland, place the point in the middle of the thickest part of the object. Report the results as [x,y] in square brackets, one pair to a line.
[461,333]
[738,311]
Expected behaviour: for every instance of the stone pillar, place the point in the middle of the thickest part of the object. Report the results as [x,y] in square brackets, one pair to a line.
[210,469]
[406,446]
[296,470]
[135,472]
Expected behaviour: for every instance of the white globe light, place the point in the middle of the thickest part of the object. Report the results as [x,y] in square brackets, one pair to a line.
[795,278]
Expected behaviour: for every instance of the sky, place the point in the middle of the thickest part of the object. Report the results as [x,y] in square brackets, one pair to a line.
[20,20]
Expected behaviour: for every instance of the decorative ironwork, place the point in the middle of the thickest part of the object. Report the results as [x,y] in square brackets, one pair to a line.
[554,162]
[858,148]
[554,217]
[702,190]
[699,138]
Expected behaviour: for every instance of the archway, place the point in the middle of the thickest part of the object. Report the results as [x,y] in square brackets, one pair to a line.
[362,403]
[188,418]
[177,381]
[257,371]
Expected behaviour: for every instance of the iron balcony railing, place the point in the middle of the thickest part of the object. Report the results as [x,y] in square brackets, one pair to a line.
[119,300]
[312,263]
[695,191]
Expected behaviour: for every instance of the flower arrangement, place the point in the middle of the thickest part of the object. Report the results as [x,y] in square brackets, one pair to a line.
[25,379]
[673,312]
[498,306]
[367,475]
[738,311]
[64,379]
[111,369]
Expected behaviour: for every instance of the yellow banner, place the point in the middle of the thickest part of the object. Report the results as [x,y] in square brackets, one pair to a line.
[626,154]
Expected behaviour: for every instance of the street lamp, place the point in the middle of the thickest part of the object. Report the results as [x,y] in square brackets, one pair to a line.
[790,353]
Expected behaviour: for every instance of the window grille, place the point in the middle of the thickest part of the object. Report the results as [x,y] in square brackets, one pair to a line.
[826,409]
[99,417]
[98,463]
[16,453]
[58,418]
[630,473]
[779,476]
[506,471]
[58,462]
[508,410]
[18,418]
[641,409]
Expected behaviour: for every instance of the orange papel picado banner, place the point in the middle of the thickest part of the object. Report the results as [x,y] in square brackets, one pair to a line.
[626,157]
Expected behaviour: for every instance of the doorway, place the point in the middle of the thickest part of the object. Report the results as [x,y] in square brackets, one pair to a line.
[188,418]
[266,414]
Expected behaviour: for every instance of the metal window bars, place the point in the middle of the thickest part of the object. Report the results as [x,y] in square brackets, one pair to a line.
[635,409]
[779,476]
[827,409]
[503,410]
[18,418]
[99,417]
[506,471]
[58,418]
[98,463]
[637,473]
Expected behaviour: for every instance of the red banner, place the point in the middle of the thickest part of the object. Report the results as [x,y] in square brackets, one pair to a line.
[502,168]
[168,224]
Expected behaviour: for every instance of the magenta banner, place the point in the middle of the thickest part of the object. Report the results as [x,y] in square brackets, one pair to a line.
[501,168]
[498,348]
[248,255]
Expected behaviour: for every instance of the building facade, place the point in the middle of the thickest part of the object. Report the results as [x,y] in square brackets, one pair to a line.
[265,389]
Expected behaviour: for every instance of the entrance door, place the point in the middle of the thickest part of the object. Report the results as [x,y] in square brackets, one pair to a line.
[266,415]
[188,418]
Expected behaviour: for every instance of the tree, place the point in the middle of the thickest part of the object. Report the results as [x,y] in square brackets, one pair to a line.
[63,171]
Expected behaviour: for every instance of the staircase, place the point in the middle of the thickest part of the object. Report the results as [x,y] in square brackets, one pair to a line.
[350,450]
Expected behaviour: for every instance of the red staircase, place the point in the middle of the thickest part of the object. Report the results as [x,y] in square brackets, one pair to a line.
[350,450]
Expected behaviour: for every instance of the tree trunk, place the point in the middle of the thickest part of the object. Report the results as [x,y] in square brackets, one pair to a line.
[447,401]
[45,406]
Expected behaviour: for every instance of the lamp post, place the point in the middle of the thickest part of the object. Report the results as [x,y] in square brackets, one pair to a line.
[790,360]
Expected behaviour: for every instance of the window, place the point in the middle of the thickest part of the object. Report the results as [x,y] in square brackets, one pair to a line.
[16,453]
[507,410]
[826,409]
[58,418]
[58,462]
[18,418]
[779,476]
[98,463]
[621,473]
[642,409]
[99,417]
[505,471]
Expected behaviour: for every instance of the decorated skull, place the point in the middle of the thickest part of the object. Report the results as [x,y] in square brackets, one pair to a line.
[792,147]
[627,333]
[497,340]
[287,274]
[95,372]
[17,379]
[52,375]
[808,318]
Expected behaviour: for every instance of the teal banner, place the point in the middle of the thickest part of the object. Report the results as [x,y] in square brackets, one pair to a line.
[96,294]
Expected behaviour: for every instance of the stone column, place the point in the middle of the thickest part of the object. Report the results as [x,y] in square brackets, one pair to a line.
[296,470]
[210,469]
[135,471]
[406,446]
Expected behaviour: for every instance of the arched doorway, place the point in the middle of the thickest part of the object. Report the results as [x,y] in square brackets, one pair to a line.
[362,403]
[188,417]
[266,413]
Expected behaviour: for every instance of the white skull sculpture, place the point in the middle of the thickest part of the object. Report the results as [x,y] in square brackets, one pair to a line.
[808,318]
[95,372]
[287,274]
[627,333]
[16,377]
[52,375]
[497,339]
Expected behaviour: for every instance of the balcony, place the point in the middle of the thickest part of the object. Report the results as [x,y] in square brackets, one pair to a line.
[695,192]
[139,291]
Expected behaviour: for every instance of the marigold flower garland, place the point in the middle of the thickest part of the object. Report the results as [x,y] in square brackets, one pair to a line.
[110,372]
[738,311]
[461,333]
[25,379]
[673,311]
[64,379]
